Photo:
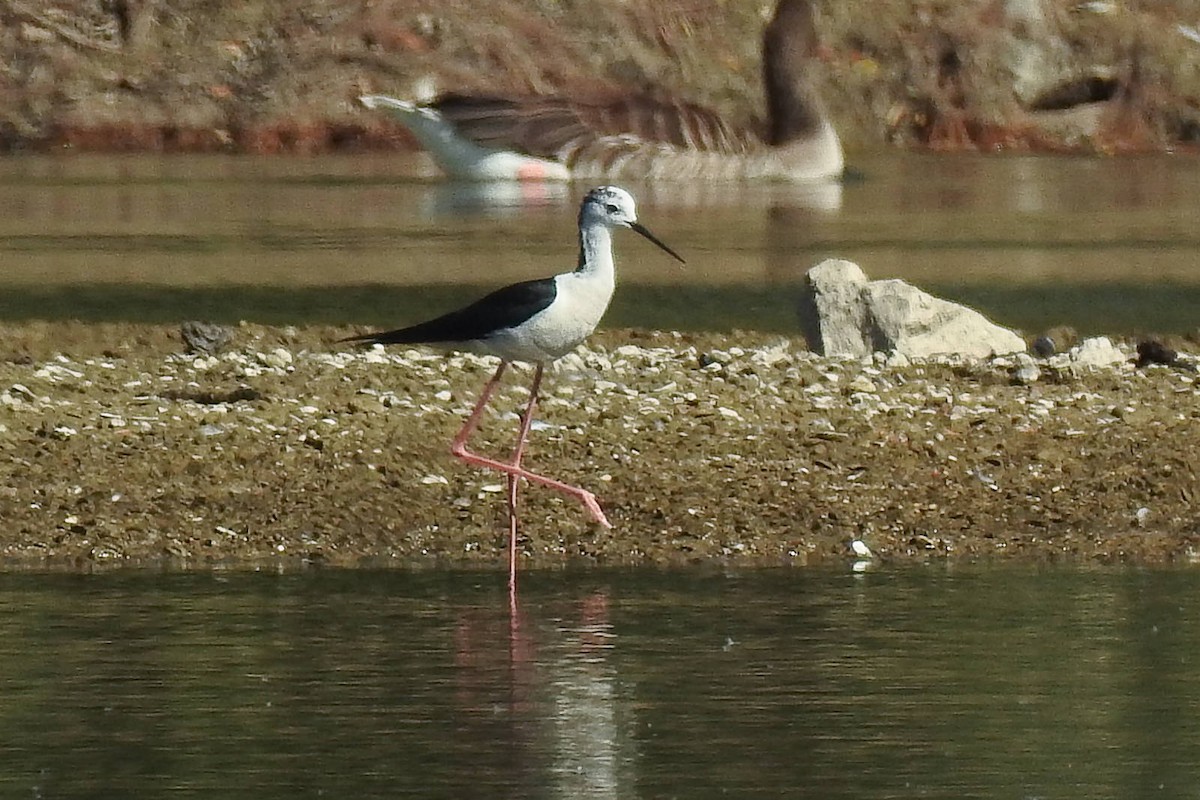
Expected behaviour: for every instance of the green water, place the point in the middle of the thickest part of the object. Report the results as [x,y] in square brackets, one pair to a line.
[1104,245]
[1102,308]
[926,682]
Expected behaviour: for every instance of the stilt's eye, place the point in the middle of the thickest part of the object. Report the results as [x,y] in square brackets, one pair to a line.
[612,208]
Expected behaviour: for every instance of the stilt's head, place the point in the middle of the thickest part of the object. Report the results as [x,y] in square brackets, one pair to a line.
[613,207]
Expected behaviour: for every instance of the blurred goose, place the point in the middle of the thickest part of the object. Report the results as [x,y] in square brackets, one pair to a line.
[479,137]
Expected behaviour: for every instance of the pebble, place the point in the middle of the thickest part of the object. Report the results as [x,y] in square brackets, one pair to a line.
[1043,347]
[279,358]
[1026,374]
[365,405]
[861,383]
[1098,351]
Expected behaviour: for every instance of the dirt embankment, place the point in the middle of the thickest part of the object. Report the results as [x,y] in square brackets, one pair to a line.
[265,77]
[118,448]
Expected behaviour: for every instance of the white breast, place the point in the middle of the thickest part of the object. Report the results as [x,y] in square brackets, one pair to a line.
[580,302]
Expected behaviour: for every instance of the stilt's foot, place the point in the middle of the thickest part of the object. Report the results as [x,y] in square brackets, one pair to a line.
[593,507]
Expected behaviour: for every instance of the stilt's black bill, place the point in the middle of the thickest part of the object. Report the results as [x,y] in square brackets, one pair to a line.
[637,226]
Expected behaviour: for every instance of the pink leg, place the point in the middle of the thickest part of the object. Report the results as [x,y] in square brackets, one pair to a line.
[526,423]
[512,535]
[459,448]
[513,483]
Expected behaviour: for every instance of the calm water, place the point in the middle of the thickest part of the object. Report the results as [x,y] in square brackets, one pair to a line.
[1103,244]
[797,683]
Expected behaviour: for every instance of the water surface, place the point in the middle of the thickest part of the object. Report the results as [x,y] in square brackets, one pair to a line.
[923,682]
[1102,244]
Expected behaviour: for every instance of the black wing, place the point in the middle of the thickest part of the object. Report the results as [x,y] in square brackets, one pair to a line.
[502,309]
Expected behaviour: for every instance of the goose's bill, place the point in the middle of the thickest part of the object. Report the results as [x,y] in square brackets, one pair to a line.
[637,226]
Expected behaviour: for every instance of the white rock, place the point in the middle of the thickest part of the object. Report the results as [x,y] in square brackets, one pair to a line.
[833,309]
[279,358]
[913,322]
[861,383]
[1026,374]
[1099,351]
[844,315]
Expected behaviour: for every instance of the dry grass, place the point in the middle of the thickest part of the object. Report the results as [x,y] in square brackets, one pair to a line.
[262,76]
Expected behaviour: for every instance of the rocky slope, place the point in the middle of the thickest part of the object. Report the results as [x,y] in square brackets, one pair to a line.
[259,76]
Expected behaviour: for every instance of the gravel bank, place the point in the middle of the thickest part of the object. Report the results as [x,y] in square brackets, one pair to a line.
[120,449]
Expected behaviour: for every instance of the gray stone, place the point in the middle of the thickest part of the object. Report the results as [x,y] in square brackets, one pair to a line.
[833,309]
[844,315]
[205,337]
[918,324]
[1025,370]
[1044,347]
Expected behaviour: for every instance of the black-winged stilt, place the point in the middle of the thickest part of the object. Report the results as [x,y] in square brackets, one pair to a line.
[534,321]
[546,137]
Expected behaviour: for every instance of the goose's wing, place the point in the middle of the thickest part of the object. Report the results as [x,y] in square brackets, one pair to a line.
[555,126]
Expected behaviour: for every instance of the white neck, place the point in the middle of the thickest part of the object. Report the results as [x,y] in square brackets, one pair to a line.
[595,251]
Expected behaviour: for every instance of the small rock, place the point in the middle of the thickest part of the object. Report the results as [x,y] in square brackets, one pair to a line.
[861,383]
[914,322]
[1043,347]
[1025,374]
[205,337]
[365,405]
[833,309]
[279,358]
[1098,351]
[1025,371]
[1153,351]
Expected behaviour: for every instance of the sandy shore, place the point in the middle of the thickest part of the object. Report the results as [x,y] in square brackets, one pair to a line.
[121,449]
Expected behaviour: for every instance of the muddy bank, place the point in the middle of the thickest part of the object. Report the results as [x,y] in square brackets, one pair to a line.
[118,448]
[264,77]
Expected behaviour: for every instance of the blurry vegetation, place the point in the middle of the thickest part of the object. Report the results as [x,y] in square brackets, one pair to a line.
[264,76]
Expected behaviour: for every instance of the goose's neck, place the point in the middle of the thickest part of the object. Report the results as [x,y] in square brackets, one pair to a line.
[595,251]
[793,108]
